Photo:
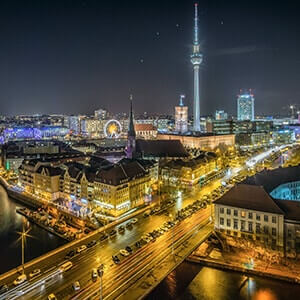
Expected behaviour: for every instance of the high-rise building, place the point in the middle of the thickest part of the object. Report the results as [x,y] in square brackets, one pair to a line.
[196,59]
[245,106]
[100,114]
[221,115]
[75,124]
[181,116]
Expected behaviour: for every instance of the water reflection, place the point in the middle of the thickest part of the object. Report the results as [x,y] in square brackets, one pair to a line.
[10,223]
[191,281]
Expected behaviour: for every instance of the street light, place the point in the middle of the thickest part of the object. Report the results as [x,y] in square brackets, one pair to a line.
[171,217]
[23,234]
[100,273]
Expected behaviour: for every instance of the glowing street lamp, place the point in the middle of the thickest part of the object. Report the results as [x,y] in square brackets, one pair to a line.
[171,217]
[23,235]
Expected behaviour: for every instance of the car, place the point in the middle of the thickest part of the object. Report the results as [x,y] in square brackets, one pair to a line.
[113,233]
[121,229]
[87,231]
[128,249]
[103,237]
[91,243]
[70,254]
[100,270]
[124,252]
[116,259]
[146,215]
[66,266]
[138,244]
[34,273]
[20,279]
[129,225]
[94,273]
[52,297]
[76,286]
[3,288]
[134,221]
[81,248]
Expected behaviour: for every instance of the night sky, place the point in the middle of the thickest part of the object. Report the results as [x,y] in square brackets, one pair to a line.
[72,57]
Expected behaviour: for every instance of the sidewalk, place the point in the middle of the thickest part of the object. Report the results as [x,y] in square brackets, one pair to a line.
[240,261]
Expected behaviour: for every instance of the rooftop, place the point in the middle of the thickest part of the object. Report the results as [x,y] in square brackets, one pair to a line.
[250,197]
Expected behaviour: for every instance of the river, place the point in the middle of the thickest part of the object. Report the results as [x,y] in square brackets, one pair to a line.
[192,281]
[39,242]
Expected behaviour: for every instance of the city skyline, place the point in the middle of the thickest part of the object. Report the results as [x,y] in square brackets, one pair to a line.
[72,62]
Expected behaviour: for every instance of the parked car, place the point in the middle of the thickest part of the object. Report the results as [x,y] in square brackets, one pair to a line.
[35,273]
[113,233]
[91,243]
[121,229]
[124,252]
[52,297]
[128,249]
[20,279]
[103,237]
[94,273]
[116,259]
[76,286]
[134,221]
[81,248]
[3,288]
[70,254]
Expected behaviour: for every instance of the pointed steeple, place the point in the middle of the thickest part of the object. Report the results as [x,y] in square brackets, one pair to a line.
[131,130]
[130,149]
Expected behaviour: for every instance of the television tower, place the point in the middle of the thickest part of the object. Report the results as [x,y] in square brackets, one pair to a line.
[196,59]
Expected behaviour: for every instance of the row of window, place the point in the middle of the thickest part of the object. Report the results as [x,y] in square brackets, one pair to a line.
[250,228]
[243,214]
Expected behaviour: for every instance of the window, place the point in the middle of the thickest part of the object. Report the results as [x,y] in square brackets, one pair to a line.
[228,211]
[235,212]
[242,225]
[221,221]
[250,227]
[250,215]
[235,224]
[266,230]
[257,217]
[221,210]
[243,214]
[289,233]
[274,220]
[273,231]
[258,228]
[228,223]
[266,218]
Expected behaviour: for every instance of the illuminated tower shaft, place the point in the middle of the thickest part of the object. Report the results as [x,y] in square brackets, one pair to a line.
[196,59]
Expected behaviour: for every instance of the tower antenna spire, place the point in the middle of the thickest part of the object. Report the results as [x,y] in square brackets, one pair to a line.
[196,60]
[196,41]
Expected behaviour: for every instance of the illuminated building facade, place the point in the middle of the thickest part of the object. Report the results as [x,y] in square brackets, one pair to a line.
[245,106]
[100,114]
[109,188]
[145,131]
[264,208]
[92,127]
[32,133]
[221,115]
[181,117]
[202,141]
[189,172]
[196,60]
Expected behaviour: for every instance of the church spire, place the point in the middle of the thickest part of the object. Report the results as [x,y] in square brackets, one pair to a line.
[131,130]
[130,149]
